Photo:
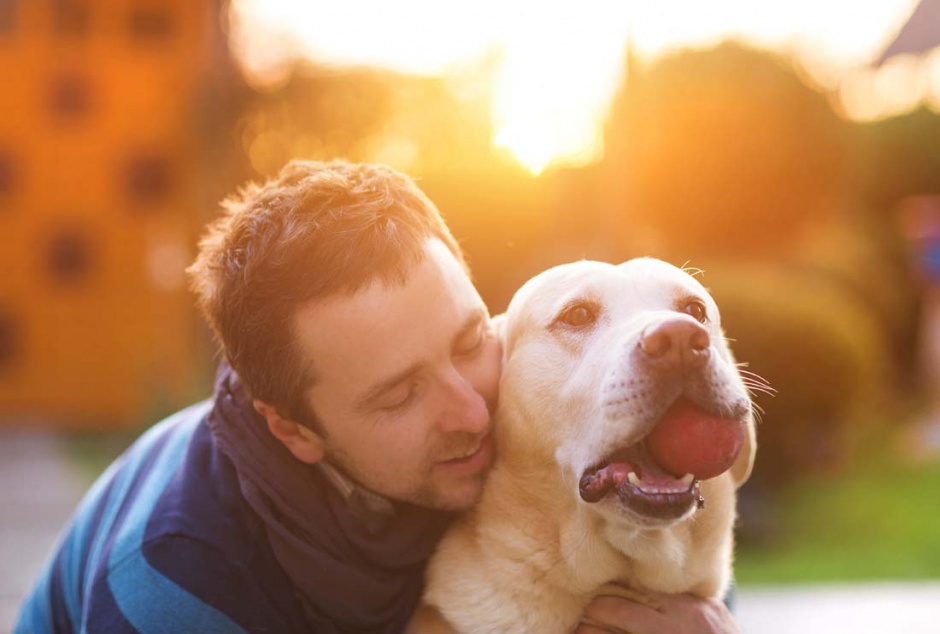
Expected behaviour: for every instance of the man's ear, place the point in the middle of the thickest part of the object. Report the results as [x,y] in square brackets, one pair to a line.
[300,440]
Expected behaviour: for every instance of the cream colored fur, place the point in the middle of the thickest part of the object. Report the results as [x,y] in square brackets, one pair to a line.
[533,554]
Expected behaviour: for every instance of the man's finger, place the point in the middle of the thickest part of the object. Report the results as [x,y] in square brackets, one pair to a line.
[611,612]
[586,627]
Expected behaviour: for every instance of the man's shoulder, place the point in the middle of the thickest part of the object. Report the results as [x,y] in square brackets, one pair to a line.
[137,499]
[185,584]
[167,526]
[175,482]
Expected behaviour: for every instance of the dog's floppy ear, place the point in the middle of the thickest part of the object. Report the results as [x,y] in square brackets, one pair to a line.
[741,469]
[500,326]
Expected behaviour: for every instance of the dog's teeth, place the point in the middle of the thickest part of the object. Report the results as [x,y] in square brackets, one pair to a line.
[687,479]
[633,478]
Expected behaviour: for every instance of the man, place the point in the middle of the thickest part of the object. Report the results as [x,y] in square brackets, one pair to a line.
[350,422]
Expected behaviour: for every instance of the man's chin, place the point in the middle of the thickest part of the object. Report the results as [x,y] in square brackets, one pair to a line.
[454,503]
[453,497]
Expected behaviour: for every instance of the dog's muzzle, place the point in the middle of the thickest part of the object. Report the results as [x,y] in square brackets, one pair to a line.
[687,422]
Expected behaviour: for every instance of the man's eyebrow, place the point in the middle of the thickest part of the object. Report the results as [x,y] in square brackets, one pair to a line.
[385,385]
[472,323]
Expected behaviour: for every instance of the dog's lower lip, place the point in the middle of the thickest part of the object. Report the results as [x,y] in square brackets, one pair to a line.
[624,479]
[662,506]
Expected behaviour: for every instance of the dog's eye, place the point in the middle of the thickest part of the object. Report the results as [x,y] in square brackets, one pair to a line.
[578,315]
[696,308]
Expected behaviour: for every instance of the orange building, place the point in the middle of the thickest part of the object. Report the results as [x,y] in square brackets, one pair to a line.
[106,112]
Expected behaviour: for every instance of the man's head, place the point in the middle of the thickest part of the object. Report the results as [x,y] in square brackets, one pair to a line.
[343,302]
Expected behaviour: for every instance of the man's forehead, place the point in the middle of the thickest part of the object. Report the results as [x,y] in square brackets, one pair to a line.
[353,330]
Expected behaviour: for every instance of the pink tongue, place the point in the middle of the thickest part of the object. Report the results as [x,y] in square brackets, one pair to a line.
[689,440]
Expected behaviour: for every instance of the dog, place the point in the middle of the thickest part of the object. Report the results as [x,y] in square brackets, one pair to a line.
[597,360]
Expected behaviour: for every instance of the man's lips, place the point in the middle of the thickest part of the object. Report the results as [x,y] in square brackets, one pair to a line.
[477,459]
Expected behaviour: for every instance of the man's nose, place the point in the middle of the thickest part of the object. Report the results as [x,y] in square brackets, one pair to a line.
[464,410]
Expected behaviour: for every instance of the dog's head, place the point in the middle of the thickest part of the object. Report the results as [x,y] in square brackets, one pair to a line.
[621,377]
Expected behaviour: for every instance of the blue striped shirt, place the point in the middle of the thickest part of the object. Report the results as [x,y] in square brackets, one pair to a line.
[164,543]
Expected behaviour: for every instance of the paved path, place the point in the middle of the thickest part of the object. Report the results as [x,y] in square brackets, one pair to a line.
[40,488]
[882,608]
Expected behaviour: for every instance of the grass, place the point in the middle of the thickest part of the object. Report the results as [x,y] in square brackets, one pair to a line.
[92,452]
[880,520]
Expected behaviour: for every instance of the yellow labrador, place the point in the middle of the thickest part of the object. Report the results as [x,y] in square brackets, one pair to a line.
[588,490]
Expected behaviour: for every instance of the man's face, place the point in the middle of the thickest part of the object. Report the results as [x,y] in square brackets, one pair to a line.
[405,379]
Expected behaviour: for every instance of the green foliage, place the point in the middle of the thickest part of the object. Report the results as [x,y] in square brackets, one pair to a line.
[93,451]
[903,157]
[877,521]
[866,254]
[817,345]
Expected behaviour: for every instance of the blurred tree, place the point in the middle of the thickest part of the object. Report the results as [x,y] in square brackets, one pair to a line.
[903,157]
[416,124]
[725,152]
[317,114]
[438,130]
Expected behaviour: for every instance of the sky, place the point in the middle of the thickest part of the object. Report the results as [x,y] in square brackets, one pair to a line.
[555,65]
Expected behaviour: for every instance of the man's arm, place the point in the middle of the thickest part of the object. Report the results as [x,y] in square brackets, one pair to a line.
[667,614]
[178,584]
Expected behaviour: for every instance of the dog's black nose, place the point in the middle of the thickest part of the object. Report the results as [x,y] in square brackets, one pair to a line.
[677,343]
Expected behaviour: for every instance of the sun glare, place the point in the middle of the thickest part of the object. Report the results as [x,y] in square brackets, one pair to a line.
[560,63]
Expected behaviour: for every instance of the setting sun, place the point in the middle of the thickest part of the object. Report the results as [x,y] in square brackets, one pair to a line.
[557,65]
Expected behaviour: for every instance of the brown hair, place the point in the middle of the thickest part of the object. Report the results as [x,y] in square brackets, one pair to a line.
[316,229]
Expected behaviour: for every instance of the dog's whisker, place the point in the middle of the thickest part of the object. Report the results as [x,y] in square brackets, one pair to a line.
[758,412]
[756,383]
[743,370]
[763,389]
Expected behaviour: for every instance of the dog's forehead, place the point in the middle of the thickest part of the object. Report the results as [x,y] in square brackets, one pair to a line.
[552,285]
[655,276]
[648,279]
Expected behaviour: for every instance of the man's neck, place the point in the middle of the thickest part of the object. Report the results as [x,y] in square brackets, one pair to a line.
[373,509]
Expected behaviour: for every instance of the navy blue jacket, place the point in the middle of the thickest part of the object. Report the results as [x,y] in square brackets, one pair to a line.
[164,542]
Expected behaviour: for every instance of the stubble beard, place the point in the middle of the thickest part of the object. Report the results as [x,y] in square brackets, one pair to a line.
[425,491]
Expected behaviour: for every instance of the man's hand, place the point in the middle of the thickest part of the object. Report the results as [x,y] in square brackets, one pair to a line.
[663,614]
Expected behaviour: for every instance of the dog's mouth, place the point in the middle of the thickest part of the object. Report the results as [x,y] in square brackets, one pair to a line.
[641,485]
[644,476]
